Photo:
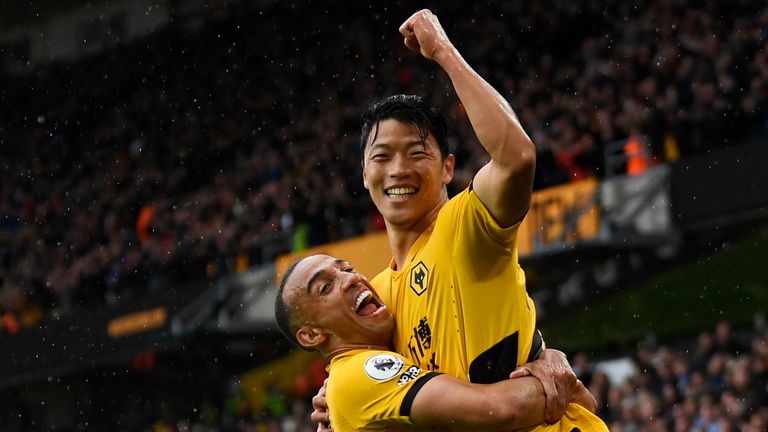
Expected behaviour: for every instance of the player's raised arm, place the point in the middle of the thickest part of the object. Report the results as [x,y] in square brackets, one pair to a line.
[504,184]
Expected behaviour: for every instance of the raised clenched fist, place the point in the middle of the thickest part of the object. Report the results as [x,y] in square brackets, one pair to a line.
[424,34]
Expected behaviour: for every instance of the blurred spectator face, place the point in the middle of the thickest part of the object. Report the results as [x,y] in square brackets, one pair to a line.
[680,417]
[705,342]
[697,384]
[404,174]
[580,363]
[617,427]
[758,366]
[656,424]
[724,425]
[682,424]
[669,393]
[648,405]
[614,398]
[760,347]
[731,404]
[723,331]
[689,407]
[599,386]
[739,377]
[629,413]
[716,365]
[680,367]
[707,410]
[756,424]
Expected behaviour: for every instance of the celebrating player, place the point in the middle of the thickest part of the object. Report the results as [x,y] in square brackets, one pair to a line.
[324,304]
[454,283]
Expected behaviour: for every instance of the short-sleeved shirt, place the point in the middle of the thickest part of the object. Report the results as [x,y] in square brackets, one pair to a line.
[373,390]
[461,303]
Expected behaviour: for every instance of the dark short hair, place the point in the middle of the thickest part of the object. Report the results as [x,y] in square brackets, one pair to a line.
[283,316]
[408,109]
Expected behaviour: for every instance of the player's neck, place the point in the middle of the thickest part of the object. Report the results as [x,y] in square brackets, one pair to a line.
[402,237]
[341,349]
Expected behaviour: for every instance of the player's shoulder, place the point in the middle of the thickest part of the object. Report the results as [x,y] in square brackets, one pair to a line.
[460,206]
[383,275]
[451,209]
[467,199]
[460,199]
[368,365]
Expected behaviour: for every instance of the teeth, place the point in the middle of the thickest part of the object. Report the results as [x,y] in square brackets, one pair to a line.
[362,296]
[400,191]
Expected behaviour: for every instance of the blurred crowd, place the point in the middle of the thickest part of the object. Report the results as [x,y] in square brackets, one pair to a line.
[718,383]
[208,149]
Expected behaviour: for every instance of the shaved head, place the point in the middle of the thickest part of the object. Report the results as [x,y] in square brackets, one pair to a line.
[284,311]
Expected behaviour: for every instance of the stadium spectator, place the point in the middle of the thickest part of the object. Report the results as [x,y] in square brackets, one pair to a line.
[727,394]
[237,166]
[628,406]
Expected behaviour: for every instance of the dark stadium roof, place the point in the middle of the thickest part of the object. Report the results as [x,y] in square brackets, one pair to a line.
[20,12]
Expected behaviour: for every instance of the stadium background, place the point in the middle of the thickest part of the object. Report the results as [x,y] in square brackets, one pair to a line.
[159,159]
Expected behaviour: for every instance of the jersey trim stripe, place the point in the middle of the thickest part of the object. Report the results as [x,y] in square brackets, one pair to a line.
[537,346]
[405,406]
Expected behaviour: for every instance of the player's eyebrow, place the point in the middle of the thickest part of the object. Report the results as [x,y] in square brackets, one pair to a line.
[380,145]
[321,272]
[409,144]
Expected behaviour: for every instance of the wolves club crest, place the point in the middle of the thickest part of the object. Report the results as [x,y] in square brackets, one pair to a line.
[419,278]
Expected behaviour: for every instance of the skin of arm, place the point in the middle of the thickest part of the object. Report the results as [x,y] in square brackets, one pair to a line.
[557,378]
[504,184]
[446,401]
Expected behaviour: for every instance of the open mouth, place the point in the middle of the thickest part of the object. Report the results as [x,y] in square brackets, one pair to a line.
[400,192]
[366,304]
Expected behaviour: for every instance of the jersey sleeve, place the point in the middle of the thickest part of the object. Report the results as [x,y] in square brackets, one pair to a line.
[489,278]
[481,219]
[374,388]
[381,284]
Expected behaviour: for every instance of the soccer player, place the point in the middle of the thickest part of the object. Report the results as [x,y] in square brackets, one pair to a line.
[454,283]
[323,304]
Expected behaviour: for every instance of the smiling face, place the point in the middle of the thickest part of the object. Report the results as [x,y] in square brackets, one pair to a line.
[337,306]
[405,173]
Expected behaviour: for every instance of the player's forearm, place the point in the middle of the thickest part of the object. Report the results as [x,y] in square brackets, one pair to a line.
[520,403]
[507,405]
[495,123]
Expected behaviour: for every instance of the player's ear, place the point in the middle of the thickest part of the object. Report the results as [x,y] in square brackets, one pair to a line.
[311,337]
[448,165]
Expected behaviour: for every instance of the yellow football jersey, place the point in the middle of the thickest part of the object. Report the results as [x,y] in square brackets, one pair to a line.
[373,390]
[461,303]
[576,419]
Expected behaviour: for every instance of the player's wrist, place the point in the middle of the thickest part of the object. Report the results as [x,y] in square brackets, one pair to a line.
[447,55]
